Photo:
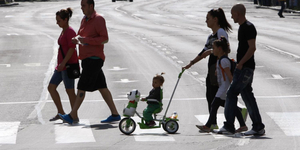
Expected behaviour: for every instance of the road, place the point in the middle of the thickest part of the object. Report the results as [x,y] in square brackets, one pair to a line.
[146,37]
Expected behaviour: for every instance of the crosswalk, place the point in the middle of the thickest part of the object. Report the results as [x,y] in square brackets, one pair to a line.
[83,133]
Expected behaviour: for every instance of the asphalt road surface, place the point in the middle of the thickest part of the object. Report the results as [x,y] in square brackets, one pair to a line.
[146,37]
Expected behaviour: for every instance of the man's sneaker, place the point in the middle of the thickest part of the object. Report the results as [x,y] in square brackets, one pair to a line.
[242,129]
[223,130]
[214,126]
[256,133]
[203,128]
[111,119]
[66,118]
[55,118]
[244,113]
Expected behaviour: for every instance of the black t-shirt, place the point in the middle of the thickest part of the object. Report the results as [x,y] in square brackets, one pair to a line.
[246,32]
[212,58]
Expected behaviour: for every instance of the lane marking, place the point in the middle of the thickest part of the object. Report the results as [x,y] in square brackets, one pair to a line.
[277,77]
[7,65]
[126,81]
[117,69]
[165,99]
[281,51]
[81,133]
[287,121]
[147,135]
[8,132]
[32,64]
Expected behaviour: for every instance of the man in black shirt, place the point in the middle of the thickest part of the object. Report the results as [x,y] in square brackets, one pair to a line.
[243,75]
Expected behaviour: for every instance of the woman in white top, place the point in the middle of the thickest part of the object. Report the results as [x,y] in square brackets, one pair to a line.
[224,77]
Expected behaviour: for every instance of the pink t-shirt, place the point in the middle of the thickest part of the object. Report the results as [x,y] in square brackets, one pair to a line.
[65,40]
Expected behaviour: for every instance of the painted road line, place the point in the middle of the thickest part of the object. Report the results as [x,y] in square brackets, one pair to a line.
[277,76]
[6,65]
[80,133]
[147,135]
[8,132]
[287,121]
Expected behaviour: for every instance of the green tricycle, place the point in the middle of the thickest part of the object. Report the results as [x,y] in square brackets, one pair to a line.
[127,125]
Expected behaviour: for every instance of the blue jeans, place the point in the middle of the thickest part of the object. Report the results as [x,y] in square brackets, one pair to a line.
[242,84]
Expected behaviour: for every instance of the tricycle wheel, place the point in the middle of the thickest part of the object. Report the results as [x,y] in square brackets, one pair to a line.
[127,126]
[171,126]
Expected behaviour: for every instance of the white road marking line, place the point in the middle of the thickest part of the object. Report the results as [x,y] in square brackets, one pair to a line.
[180,62]
[117,69]
[7,65]
[126,81]
[8,132]
[194,73]
[80,133]
[10,34]
[287,121]
[277,76]
[44,95]
[32,64]
[145,135]
[174,57]
[281,51]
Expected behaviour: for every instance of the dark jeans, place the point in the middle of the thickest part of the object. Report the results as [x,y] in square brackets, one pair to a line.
[214,109]
[242,83]
[211,91]
[282,7]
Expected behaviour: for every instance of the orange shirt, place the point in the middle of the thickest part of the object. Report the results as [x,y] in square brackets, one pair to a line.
[95,33]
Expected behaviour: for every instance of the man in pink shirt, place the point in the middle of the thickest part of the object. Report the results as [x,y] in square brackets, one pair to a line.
[92,37]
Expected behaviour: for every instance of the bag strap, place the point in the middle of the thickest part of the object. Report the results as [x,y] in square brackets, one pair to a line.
[62,52]
[222,69]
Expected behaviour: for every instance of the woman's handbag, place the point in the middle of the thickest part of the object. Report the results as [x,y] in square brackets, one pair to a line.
[73,70]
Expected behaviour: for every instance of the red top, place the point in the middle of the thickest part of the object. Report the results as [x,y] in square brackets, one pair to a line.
[65,40]
[95,33]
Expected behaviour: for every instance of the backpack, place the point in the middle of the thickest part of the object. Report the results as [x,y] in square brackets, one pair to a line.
[232,67]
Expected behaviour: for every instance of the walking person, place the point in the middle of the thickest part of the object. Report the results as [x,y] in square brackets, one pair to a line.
[216,20]
[243,75]
[60,74]
[93,36]
[224,67]
[282,4]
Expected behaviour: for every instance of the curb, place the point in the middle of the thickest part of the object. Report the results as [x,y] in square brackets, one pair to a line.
[278,8]
[8,4]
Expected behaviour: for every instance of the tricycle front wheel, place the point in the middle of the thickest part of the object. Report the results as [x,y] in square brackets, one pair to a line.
[127,126]
[171,126]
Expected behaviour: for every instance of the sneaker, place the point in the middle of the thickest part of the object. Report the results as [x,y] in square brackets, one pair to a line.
[204,128]
[55,118]
[242,129]
[111,119]
[223,130]
[66,118]
[244,113]
[256,133]
[214,126]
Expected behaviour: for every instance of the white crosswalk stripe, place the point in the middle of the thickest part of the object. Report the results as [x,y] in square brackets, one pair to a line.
[287,121]
[8,132]
[79,133]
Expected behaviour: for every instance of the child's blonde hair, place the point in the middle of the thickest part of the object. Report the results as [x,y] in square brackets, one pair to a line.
[159,78]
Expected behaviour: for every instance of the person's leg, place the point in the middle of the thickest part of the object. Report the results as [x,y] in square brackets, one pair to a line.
[109,100]
[235,88]
[239,117]
[52,88]
[217,102]
[56,98]
[252,107]
[79,99]
[69,85]
[282,8]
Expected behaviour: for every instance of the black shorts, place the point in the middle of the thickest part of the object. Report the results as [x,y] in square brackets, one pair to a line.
[92,77]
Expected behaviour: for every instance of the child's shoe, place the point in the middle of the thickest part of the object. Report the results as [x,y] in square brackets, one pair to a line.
[151,123]
[214,126]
